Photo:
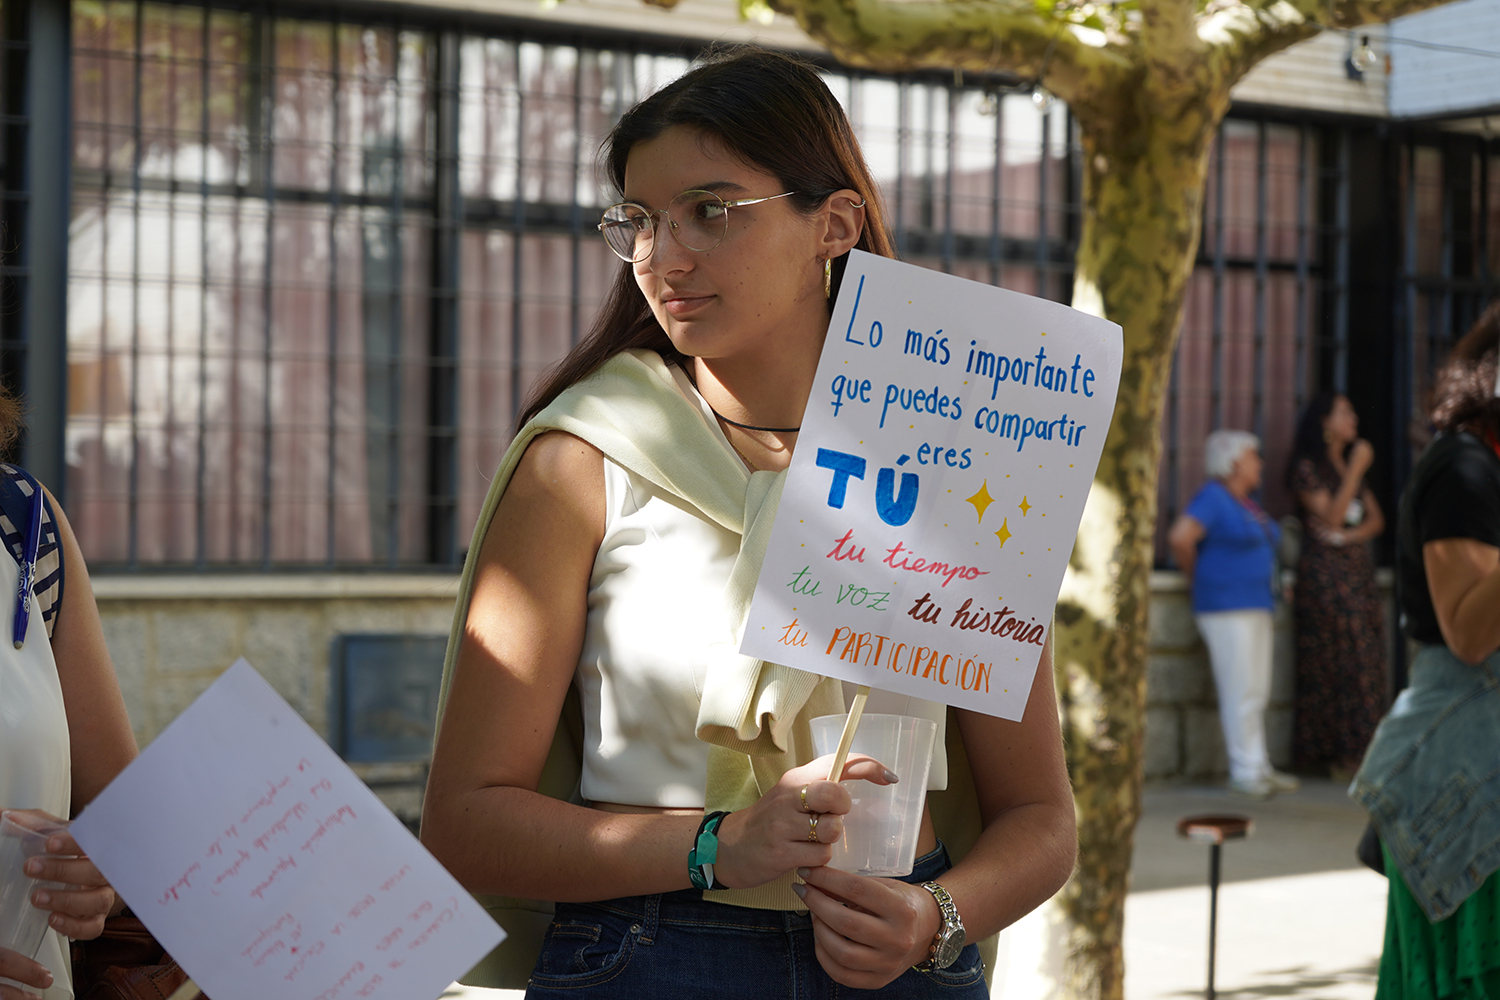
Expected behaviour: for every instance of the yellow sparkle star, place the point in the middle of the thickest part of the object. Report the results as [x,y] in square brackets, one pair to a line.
[1024,506]
[982,500]
[1004,533]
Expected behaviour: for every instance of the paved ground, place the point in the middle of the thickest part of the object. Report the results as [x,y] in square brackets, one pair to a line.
[1298,916]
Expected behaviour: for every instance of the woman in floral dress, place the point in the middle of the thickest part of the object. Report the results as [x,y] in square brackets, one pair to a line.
[1341,686]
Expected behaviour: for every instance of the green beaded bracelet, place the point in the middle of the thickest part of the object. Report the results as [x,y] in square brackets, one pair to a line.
[705,852]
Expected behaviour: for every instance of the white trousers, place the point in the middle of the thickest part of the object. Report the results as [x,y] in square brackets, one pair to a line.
[1239,647]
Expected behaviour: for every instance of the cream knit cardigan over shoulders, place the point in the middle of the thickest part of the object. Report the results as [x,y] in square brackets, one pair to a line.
[753,714]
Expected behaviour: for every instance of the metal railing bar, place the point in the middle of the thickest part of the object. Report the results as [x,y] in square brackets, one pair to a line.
[575,290]
[1341,266]
[132,502]
[518,231]
[396,297]
[1299,326]
[1043,190]
[1216,390]
[442,425]
[997,188]
[267,291]
[953,95]
[1257,403]
[200,472]
[330,515]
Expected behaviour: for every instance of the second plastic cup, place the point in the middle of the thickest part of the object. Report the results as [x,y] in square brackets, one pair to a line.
[880,832]
[22,925]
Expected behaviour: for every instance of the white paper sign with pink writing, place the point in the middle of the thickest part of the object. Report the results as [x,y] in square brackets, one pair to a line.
[931,506]
[268,869]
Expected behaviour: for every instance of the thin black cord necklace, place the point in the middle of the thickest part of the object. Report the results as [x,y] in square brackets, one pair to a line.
[752,427]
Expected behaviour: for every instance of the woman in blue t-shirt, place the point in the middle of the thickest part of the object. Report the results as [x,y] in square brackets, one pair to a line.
[1226,546]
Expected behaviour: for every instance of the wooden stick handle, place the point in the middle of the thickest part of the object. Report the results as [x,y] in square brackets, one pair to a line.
[187,991]
[847,739]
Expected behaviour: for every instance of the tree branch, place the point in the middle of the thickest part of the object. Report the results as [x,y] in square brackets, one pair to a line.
[1353,13]
[1241,35]
[976,35]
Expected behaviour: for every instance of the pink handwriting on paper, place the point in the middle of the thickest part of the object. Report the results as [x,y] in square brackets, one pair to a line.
[282,875]
[344,981]
[395,879]
[307,955]
[282,866]
[241,856]
[217,847]
[296,812]
[273,788]
[444,916]
[268,941]
[336,818]
[171,895]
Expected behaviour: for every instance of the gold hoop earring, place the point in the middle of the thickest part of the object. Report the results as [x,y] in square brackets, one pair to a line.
[827,277]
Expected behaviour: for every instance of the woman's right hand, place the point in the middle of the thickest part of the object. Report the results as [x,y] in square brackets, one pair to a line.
[1361,457]
[79,907]
[14,965]
[770,838]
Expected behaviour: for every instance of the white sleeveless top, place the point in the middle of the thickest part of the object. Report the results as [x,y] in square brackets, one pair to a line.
[655,604]
[35,762]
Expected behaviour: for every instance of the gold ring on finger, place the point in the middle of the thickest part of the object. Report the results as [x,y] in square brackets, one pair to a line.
[812,828]
[803,795]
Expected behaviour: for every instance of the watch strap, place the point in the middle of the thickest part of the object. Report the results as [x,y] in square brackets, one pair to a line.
[705,851]
[952,924]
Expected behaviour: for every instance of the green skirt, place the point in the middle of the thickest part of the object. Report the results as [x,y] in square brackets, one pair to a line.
[1454,958]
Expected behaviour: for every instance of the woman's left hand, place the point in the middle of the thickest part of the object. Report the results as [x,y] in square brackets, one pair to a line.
[1335,537]
[78,911]
[868,931]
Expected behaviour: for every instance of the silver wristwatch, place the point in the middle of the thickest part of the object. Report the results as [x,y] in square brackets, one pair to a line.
[949,940]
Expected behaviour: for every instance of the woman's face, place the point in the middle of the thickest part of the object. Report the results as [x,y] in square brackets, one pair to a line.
[1247,469]
[761,288]
[1341,426]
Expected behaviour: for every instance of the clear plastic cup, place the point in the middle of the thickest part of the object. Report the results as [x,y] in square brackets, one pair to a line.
[880,832]
[23,927]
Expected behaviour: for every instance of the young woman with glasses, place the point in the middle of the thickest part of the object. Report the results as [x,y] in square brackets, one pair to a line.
[602,746]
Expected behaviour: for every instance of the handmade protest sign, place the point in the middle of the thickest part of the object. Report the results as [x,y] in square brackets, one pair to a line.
[268,869]
[929,511]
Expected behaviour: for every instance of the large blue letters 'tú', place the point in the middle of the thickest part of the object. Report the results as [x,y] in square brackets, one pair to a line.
[894,508]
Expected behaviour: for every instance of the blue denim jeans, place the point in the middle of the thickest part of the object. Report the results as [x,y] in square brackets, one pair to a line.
[677,946]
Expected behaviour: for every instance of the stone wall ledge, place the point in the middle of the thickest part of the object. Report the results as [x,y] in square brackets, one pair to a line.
[113,587]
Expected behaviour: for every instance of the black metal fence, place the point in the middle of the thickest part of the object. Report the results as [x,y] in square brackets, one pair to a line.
[315,263]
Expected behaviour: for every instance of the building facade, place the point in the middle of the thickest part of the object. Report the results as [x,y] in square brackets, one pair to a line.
[276,277]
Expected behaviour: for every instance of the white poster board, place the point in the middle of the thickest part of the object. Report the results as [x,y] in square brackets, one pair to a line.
[930,508]
[268,869]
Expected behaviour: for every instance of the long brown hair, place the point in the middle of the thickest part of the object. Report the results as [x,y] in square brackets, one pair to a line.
[1463,393]
[12,420]
[772,111]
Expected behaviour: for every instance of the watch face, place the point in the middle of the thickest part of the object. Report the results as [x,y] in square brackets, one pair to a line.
[948,949]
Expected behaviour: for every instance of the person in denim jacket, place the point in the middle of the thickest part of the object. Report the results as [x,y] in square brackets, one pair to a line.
[1430,779]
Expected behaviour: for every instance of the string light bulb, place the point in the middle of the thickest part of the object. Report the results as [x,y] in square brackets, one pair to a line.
[1363,58]
[1041,98]
[989,104]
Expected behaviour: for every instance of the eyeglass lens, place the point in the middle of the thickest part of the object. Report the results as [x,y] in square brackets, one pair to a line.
[698,220]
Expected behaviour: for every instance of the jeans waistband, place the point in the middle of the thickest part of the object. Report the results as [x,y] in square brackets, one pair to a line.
[691,906]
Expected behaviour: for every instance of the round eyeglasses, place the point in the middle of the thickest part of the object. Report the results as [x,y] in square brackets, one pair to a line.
[697,219]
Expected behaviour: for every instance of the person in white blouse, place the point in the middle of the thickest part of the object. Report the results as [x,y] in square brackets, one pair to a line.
[64,735]
[605,566]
